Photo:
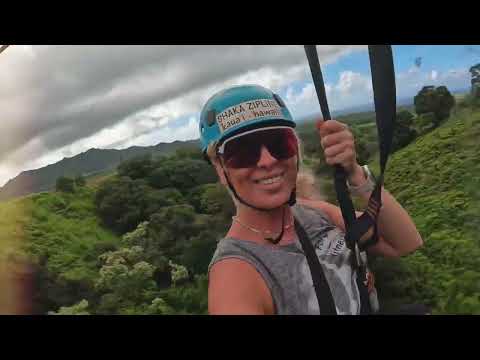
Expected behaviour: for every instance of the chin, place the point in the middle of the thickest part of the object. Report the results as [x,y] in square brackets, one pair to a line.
[271,201]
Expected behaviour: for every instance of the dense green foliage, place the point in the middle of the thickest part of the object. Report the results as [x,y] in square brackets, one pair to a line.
[436,180]
[437,101]
[405,132]
[139,241]
[69,184]
[124,246]
[80,181]
[475,73]
[65,184]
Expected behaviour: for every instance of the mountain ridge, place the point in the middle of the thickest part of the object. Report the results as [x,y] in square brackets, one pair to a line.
[87,163]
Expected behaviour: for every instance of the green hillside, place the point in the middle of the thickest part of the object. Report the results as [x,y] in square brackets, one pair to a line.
[437,180]
[63,238]
[138,240]
[81,264]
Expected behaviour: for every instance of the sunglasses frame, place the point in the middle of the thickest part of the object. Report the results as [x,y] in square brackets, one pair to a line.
[221,147]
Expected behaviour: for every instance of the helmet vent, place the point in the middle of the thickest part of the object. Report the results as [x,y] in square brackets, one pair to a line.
[211,117]
[279,100]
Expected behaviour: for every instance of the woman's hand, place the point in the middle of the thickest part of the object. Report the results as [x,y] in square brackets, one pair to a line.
[397,232]
[338,146]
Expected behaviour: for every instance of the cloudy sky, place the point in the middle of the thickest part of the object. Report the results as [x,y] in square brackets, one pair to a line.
[59,101]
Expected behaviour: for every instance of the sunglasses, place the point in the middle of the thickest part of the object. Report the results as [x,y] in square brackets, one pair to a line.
[243,151]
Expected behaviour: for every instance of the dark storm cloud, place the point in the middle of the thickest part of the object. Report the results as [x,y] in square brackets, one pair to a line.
[60,94]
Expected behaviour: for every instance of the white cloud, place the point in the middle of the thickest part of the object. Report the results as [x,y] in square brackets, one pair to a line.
[411,82]
[354,89]
[65,93]
[274,79]
[157,134]
[63,100]
[351,83]
[149,126]
[303,102]
[351,89]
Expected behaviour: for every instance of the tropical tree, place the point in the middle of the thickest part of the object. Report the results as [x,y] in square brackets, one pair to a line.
[65,184]
[438,101]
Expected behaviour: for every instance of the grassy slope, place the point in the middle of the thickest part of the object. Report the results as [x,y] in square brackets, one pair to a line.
[13,218]
[95,180]
[437,180]
[62,231]
[65,229]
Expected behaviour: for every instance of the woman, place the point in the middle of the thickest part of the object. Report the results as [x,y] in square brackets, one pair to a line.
[248,134]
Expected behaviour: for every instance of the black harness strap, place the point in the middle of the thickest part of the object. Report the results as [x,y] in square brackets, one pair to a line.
[384,93]
[340,177]
[322,290]
[383,81]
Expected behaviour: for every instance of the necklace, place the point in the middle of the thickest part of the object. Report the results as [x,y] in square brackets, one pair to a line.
[271,233]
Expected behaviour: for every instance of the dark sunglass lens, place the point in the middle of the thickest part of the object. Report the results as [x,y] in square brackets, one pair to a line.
[282,144]
[244,151]
[241,152]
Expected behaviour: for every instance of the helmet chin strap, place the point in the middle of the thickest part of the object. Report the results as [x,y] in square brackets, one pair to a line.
[290,202]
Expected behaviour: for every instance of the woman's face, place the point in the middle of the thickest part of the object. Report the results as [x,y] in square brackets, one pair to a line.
[268,183]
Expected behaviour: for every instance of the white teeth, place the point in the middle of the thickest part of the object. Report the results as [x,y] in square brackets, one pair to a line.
[271,180]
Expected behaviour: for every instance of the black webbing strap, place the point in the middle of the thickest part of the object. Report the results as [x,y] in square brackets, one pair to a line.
[383,81]
[322,289]
[340,177]
[384,94]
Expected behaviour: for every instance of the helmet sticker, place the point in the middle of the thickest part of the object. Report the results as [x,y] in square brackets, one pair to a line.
[246,111]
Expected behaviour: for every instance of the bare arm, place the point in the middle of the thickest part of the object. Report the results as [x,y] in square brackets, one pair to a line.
[236,288]
[395,226]
[398,235]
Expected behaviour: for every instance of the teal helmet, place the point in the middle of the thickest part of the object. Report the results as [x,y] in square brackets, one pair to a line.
[239,109]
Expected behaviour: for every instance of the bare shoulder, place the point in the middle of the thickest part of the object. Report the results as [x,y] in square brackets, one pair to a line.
[317,204]
[335,215]
[235,287]
[333,212]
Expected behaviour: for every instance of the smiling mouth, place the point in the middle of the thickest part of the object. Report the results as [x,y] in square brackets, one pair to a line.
[270,180]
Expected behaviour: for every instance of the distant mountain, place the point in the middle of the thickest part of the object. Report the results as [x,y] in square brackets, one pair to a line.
[87,163]
[403,102]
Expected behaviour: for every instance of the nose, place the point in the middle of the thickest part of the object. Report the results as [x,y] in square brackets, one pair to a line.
[266,159]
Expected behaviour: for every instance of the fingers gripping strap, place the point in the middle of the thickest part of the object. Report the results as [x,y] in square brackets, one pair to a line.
[340,178]
[383,81]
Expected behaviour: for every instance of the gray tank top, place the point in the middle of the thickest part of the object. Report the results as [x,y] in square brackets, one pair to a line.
[285,269]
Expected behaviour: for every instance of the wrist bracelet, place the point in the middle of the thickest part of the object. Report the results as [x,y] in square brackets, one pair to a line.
[366,187]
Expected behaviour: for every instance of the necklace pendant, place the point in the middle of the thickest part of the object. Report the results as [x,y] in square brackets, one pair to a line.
[273,240]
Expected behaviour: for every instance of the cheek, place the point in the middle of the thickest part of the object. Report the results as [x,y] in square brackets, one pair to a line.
[292,168]
[239,177]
